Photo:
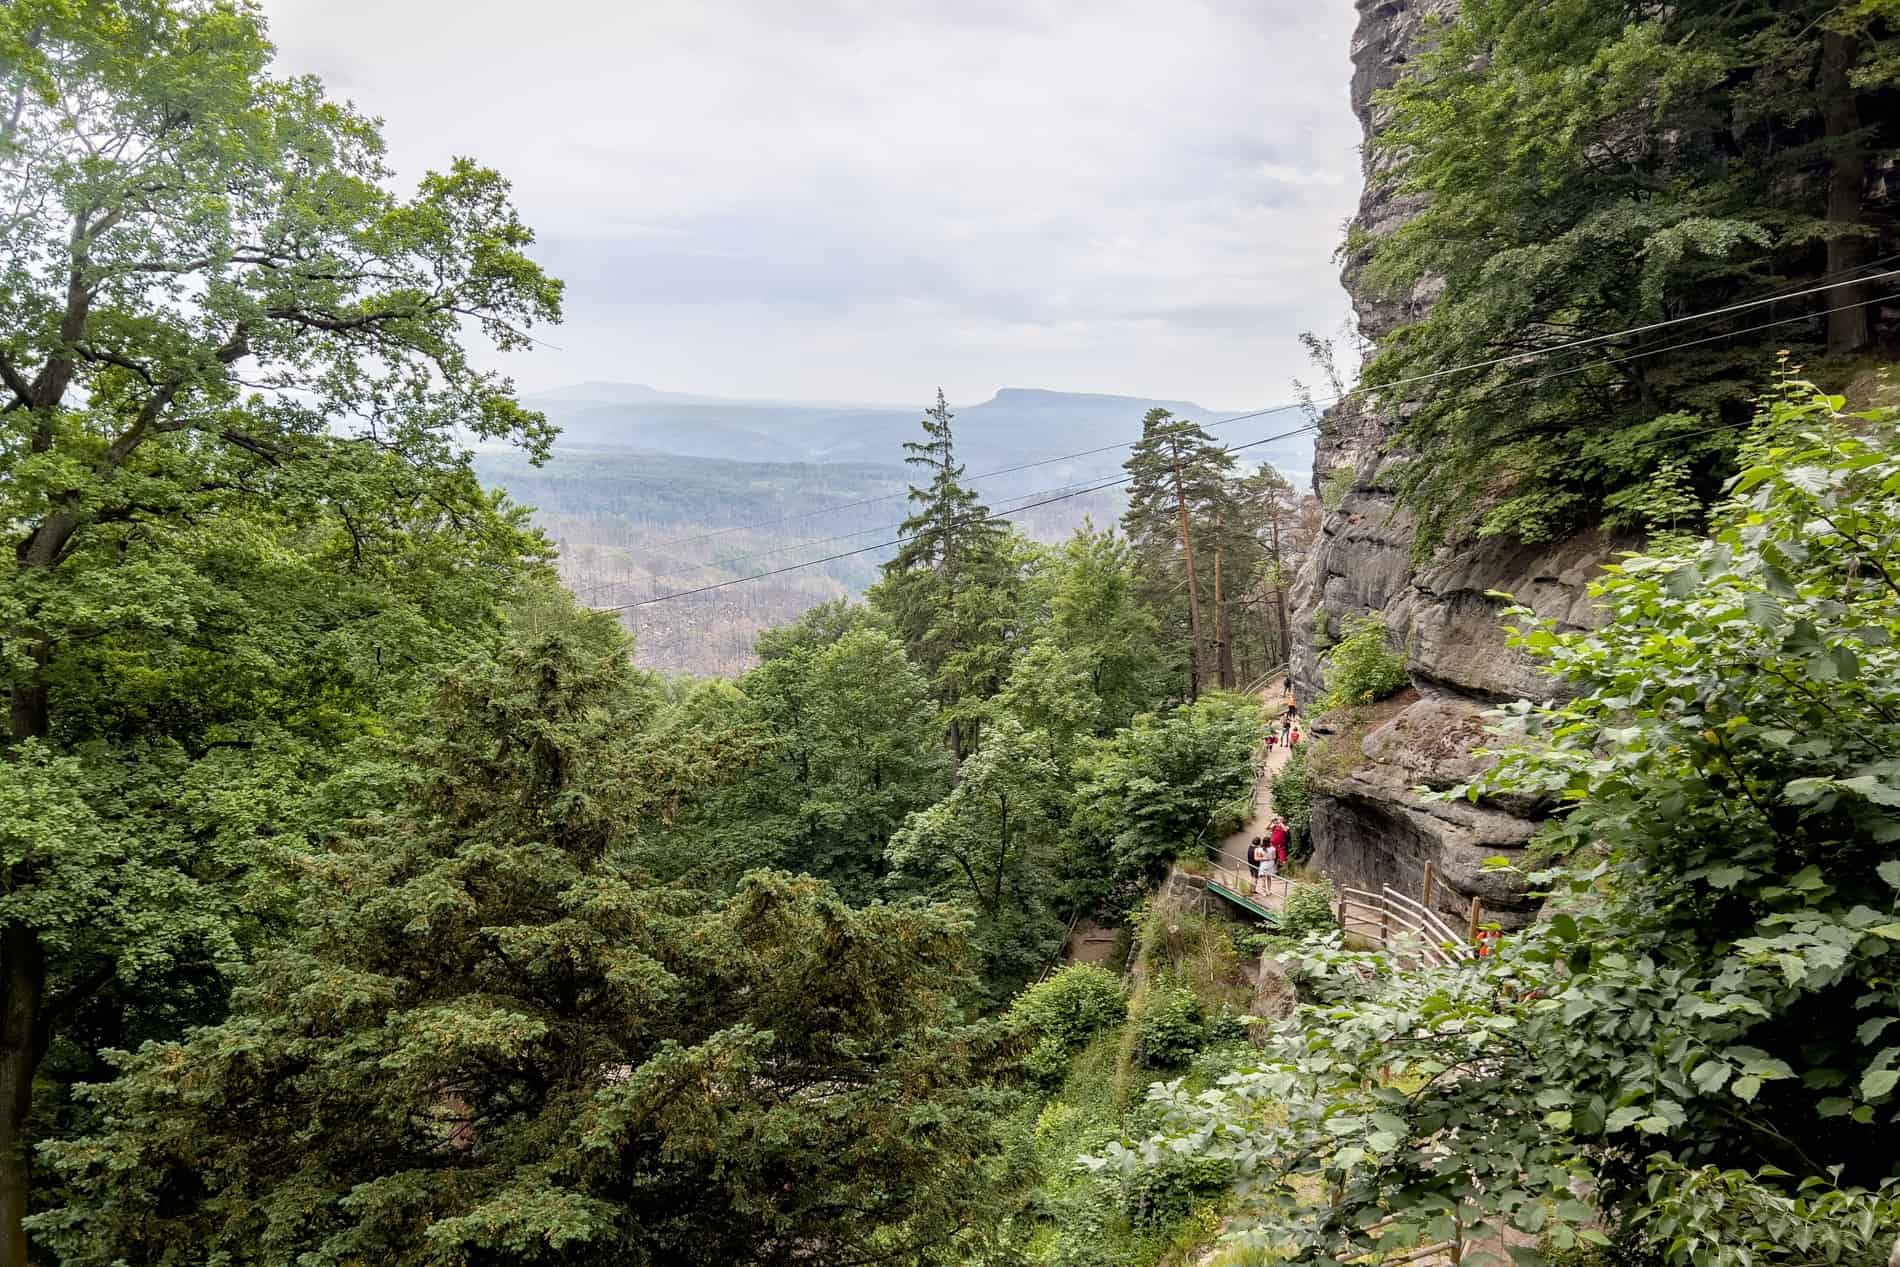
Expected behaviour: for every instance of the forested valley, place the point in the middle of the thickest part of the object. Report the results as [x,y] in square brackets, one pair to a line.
[364,902]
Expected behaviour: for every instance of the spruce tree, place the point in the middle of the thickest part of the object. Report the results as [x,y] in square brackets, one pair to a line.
[950,590]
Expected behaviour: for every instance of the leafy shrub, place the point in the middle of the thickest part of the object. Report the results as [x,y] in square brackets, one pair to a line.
[1361,667]
[1255,944]
[1166,785]
[1338,483]
[1228,1027]
[1166,1192]
[1309,910]
[1169,1028]
[1292,794]
[1064,1013]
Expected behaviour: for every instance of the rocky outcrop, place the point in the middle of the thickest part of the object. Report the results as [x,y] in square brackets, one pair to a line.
[1275,996]
[1370,825]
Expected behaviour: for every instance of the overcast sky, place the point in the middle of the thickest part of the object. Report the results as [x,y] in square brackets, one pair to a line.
[865,199]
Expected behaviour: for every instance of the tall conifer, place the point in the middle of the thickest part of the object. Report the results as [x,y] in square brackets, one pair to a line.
[1177,479]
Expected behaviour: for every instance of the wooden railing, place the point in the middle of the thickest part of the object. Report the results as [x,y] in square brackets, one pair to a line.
[1399,923]
[1260,684]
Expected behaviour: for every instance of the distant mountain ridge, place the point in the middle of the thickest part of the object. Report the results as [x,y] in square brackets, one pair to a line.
[1016,425]
[718,504]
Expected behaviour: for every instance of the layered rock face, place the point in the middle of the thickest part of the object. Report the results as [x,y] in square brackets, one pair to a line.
[1369,827]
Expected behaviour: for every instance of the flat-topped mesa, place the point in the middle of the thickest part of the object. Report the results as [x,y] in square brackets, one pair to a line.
[1370,827]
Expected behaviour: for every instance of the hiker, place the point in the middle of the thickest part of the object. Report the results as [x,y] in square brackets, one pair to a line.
[1277,837]
[1256,855]
[1286,728]
[1287,690]
[1294,736]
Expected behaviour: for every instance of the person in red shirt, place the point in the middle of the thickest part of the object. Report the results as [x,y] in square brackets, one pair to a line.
[1276,840]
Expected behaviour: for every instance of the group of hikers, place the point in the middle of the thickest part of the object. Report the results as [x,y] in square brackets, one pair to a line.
[1267,855]
[1285,731]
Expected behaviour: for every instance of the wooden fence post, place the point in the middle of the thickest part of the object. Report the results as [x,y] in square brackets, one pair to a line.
[1477,916]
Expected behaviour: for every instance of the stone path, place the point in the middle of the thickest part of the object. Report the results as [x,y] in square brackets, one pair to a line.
[1234,849]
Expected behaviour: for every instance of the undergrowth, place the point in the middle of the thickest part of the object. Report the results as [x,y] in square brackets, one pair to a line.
[1185,1005]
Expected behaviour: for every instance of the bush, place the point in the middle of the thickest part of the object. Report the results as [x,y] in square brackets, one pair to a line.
[1166,786]
[1228,1027]
[1361,668]
[1309,910]
[1168,1191]
[1338,483]
[1064,1013]
[1169,1028]
[1292,795]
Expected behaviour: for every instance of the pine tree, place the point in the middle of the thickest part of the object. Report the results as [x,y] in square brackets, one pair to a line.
[1272,510]
[1177,483]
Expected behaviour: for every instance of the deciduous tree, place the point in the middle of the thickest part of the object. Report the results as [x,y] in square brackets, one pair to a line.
[233,401]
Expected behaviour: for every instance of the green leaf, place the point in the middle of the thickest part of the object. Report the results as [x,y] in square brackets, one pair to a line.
[1747,1088]
[1711,1075]
[1764,610]
[1877,1083]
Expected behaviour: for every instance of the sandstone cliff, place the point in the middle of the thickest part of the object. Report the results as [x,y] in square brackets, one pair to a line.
[1369,826]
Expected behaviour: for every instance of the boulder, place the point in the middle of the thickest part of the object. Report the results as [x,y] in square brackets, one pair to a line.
[1275,998]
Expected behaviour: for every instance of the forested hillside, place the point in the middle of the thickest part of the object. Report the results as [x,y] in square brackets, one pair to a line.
[652,493]
[365,900]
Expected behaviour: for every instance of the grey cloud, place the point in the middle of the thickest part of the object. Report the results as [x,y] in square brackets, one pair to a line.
[864,198]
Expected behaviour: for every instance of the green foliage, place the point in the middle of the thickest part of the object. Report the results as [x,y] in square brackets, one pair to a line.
[1158,789]
[854,749]
[1095,661]
[1361,667]
[491,1042]
[1168,1191]
[235,399]
[1337,485]
[1699,1034]
[952,590]
[1065,1013]
[1178,492]
[991,844]
[1587,168]
[1309,909]
[1168,1027]
[1292,794]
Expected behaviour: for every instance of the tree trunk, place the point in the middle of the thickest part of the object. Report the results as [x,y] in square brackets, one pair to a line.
[1279,592]
[1187,551]
[1223,643]
[1848,328]
[22,1043]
